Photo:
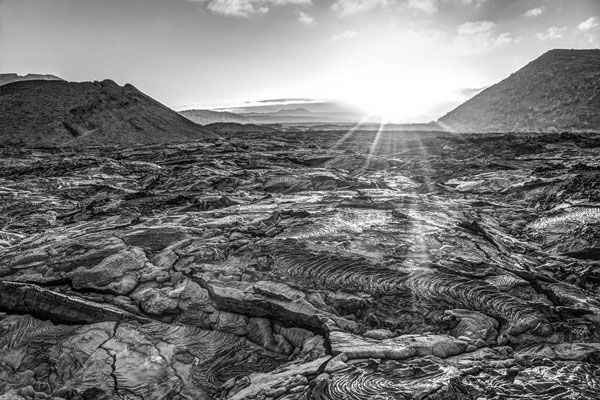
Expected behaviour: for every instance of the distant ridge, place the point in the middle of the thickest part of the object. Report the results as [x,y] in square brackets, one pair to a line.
[10,78]
[205,117]
[59,113]
[559,91]
[232,127]
[291,112]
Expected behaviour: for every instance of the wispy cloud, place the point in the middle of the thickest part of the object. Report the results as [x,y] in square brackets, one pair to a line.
[479,37]
[346,35]
[426,6]
[552,33]
[476,3]
[591,31]
[245,8]
[432,6]
[590,24]
[306,18]
[534,12]
[349,7]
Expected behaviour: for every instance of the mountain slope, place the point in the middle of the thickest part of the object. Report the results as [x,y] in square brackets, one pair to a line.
[10,78]
[205,117]
[558,91]
[55,113]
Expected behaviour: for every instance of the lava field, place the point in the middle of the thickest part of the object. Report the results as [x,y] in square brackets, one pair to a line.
[303,265]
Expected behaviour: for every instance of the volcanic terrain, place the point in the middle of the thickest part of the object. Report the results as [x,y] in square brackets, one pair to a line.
[143,256]
[303,265]
[559,91]
[60,113]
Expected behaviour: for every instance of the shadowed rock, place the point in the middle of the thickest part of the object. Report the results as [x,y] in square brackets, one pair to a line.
[556,92]
[59,113]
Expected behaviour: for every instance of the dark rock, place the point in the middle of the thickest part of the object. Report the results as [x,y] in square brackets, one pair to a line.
[100,113]
[556,92]
[262,267]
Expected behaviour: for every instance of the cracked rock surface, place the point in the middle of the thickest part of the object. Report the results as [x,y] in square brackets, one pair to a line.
[303,265]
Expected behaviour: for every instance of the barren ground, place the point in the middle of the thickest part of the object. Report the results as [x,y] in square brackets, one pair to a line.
[303,265]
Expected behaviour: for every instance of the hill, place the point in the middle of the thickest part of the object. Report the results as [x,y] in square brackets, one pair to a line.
[58,113]
[559,91]
[205,117]
[10,78]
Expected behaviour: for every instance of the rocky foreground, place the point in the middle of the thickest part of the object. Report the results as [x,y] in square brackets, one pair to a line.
[303,266]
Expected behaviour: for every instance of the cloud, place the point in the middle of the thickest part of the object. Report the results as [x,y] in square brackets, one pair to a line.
[349,7]
[238,8]
[426,6]
[552,33]
[479,37]
[346,35]
[245,8]
[590,24]
[591,31]
[432,6]
[534,12]
[476,3]
[469,92]
[306,18]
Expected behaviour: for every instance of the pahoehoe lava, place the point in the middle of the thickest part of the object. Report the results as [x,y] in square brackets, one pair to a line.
[286,267]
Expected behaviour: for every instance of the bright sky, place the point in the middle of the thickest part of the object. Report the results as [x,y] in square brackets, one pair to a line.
[408,59]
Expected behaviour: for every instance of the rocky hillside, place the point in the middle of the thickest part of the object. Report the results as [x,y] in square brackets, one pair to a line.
[57,113]
[10,78]
[559,91]
[205,117]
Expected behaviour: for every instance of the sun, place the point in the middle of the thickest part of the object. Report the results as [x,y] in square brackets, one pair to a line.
[393,96]
[400,82]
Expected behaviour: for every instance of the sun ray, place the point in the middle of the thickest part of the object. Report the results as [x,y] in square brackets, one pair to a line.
[425,166]
[446,127]
[375,143]
[348,134]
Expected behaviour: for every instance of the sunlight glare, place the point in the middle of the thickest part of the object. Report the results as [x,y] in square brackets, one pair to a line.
[397,98]
[400,77]
[374,144]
